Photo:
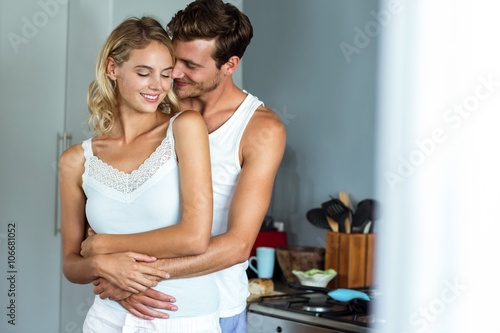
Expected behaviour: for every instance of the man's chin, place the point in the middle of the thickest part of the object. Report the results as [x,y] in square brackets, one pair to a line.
[180,93]
[183,94]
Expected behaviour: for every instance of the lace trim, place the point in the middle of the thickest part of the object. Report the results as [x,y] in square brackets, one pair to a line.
[127,183]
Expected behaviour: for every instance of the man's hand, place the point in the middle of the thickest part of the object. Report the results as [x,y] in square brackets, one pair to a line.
[88,247]
[106,290]
[140,305]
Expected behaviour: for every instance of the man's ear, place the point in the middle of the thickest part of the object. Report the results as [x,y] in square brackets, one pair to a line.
[111,68]
[231,65]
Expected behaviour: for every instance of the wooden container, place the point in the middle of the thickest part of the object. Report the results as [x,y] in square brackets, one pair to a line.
[301,258]
[352,256]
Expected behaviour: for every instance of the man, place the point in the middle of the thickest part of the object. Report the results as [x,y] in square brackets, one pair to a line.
[247,141]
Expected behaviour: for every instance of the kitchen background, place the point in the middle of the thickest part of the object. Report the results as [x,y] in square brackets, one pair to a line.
[388,99]
[325,98]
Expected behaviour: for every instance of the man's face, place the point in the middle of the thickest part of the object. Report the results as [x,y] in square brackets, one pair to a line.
[195,72]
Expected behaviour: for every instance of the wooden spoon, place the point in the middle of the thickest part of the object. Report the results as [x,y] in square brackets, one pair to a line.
[344,197]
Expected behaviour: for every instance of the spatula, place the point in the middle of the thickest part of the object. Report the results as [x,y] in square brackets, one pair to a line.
[318,218]
[337,211]
[364,216]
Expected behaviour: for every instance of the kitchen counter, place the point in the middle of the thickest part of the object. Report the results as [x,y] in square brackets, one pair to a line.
[280,287]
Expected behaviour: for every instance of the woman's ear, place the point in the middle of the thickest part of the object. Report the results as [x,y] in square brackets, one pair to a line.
[111,68]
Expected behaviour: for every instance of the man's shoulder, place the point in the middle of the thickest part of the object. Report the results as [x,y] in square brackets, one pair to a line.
[264,132]
[265,118]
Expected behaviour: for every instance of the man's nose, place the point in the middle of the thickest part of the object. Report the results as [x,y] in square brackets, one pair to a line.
[177,73]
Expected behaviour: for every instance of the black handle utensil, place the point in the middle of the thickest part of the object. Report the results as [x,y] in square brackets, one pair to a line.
[362,220]
[337,211]
[317,217]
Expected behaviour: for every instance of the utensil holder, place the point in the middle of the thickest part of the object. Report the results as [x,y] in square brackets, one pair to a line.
[352,256]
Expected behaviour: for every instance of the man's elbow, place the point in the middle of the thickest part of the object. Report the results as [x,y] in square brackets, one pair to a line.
[242,252]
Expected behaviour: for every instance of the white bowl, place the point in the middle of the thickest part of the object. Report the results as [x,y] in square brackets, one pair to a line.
[315,277]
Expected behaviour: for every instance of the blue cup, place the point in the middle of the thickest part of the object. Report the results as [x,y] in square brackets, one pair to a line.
[265,262]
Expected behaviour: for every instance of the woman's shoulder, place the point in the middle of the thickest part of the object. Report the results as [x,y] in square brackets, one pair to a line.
[190,131]
[72,158]
[188,114]
[188,119]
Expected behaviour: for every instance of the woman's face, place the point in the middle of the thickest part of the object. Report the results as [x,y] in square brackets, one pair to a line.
[144,79]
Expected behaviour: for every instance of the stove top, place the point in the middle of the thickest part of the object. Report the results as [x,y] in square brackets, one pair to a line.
[314,310]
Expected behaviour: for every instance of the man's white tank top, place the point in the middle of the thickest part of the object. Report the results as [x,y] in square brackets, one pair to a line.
[148,198]
[224,152]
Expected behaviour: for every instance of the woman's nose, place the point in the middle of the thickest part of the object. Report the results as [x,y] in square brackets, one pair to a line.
[155,82]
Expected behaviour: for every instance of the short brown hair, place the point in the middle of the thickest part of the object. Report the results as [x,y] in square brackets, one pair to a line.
[214,19]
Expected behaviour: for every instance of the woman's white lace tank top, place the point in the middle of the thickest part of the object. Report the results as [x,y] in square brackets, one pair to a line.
[148,198]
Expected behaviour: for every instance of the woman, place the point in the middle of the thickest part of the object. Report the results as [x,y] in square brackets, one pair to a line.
[148,167]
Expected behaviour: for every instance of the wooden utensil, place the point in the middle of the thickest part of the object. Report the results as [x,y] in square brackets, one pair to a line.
[333,224]
[344,197]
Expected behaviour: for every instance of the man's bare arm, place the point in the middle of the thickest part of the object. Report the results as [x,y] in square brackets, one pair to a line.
[262,149]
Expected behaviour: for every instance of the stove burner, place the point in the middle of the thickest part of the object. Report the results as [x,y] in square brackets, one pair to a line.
[317,307]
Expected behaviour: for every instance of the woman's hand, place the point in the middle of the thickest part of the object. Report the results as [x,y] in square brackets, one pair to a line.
[129,271]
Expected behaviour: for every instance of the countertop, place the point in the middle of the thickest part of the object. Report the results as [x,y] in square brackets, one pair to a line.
[280,287]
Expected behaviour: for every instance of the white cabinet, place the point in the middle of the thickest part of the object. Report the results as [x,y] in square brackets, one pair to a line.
[32,99]
[48,50]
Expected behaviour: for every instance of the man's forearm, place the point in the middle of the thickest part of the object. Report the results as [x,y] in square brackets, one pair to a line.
[221,254]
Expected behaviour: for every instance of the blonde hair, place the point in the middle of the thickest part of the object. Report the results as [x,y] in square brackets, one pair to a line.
[132,34]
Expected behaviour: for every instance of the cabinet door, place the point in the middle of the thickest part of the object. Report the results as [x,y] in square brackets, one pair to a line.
[32,94]
[89,25]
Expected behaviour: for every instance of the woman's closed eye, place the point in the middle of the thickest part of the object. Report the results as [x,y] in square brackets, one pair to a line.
[145,74]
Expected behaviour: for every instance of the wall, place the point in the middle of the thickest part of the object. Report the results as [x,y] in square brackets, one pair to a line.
[325,96]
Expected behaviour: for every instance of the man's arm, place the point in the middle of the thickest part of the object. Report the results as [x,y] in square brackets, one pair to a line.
[261,151]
